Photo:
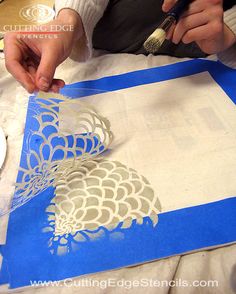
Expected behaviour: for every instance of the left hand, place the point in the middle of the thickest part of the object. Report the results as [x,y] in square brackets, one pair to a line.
[202,23]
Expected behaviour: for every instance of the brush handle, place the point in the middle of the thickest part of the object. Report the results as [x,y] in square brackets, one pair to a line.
[179,8]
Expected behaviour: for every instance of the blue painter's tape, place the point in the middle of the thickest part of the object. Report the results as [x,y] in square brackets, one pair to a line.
[177,232]
[223,75]
[26,253]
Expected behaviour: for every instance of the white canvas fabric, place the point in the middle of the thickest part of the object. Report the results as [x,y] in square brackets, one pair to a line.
[217,264]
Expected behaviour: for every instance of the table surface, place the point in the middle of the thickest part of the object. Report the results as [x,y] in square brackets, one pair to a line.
[218,264]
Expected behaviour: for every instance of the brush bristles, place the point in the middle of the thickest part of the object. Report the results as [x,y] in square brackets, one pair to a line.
[154,42]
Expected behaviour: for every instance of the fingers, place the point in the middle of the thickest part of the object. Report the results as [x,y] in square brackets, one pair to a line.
[205,15]
[186,24]
[21,75]
[31,65]
[198,6]
[46,69]
[168,4]
[57,85]
[201,33]
[170,33]
[13,61]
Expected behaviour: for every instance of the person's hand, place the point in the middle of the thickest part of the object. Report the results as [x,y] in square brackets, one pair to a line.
[32,61]
[202,23]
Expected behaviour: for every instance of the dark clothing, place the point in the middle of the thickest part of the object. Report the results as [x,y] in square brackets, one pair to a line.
[228,4]
[126,25]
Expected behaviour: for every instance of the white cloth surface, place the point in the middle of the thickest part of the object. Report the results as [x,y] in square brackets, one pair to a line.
[169,137]
[218,264]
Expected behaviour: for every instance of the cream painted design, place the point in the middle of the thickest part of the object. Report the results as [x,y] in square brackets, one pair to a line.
[93,196]
[98,193]
[102,193]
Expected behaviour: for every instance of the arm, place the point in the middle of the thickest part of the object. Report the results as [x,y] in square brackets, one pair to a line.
[203,23]
[90,12]
[228,57]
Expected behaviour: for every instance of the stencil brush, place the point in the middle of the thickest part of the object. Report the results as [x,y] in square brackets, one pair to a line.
[155,41]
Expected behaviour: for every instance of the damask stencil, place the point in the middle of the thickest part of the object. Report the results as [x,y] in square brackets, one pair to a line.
[50,154]
[98,193]
[91,193]
[45,241]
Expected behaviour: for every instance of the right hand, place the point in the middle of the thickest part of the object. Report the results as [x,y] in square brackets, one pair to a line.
[202,23]
[33,61]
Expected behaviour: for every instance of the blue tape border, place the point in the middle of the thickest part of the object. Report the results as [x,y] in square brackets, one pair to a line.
[223,75]
[221,215]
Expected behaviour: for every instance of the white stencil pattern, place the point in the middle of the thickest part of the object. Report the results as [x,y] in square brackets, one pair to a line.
[50,153]
[102,193]
[92,195]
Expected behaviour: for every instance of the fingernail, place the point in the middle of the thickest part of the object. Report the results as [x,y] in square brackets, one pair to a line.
[31,89]
[55,89]
[43,83]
